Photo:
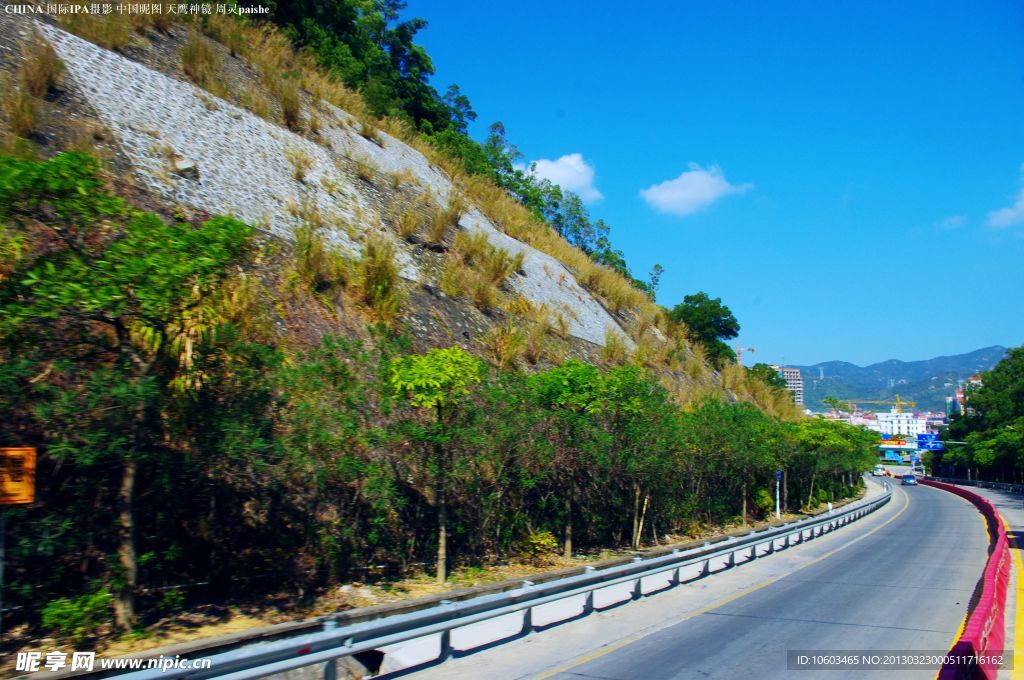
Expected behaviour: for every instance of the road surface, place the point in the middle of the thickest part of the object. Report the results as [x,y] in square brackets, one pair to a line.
[899,580]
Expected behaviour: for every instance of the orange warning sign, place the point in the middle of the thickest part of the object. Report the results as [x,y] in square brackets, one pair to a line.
[17,476]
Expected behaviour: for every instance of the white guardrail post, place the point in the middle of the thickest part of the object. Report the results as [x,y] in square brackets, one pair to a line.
[334,642]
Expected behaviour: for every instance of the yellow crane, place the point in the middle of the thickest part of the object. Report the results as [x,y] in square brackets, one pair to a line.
[898,403]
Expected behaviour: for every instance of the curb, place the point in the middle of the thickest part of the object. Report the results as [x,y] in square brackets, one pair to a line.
[982,640]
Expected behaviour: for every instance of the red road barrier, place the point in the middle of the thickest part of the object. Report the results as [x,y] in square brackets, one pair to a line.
[983,637]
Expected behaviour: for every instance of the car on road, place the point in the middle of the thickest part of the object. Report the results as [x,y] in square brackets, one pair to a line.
[909,480]
[879,471]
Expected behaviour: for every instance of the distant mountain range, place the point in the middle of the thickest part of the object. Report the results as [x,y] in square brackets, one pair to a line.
[926,382]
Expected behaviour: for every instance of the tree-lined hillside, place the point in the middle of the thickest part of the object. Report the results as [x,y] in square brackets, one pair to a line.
[221,410]
[992,426]
[927,382]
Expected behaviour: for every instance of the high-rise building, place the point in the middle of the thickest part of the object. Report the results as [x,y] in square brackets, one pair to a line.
[794,382]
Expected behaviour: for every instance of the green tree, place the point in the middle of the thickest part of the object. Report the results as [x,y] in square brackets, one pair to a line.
[708,322]
[642,422]
[572,393]
[993,423]
[438,381]
[116,282]
[836,404]
[768,375]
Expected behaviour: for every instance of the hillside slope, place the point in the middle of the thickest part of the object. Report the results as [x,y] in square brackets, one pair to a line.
[927,382]
[242,323]
[244,170]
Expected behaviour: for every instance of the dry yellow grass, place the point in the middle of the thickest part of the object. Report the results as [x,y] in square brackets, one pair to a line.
[506,344]
[291,103]
[614,350]
[318,266]
[696,363]
[365,170]
[444,220]
[369,132]
[495,264]
[22,111]
[456,277]
[158,21]
[307,210]
[499,265]
[378,280]
[314,123]
[734,379]
[471,246]
[402,179]
[300,161]
[252,99]
[227,31]
[542,323]
[201,63]
[112,31]
[483,292]
[40,70]
[408,218]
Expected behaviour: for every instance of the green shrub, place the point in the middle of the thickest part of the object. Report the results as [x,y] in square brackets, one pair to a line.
[540,546]
[80,618]
[171,601]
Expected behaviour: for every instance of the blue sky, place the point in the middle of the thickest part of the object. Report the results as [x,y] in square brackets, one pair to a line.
[846,176]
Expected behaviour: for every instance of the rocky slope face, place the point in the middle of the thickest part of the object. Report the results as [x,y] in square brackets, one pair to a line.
[197,150]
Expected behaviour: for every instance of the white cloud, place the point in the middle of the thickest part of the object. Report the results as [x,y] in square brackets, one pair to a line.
[952,222]
[570,172]
[1007,217]
[694,190]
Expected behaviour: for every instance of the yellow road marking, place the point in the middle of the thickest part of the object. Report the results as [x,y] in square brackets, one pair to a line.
[963,624]
[722,602]
[1018,617]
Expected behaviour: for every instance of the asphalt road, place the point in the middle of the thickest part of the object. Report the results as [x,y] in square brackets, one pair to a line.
[905,587]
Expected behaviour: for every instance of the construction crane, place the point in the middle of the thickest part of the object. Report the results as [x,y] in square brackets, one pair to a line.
[740,351]
[898,403]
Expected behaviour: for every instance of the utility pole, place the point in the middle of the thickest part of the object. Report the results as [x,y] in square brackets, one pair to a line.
[778,481]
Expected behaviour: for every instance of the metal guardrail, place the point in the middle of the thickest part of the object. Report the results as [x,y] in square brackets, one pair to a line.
[1001,486]
[334,642]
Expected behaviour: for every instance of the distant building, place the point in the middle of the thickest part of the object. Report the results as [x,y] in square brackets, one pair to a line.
[909,425]
[960,396]
[794,382]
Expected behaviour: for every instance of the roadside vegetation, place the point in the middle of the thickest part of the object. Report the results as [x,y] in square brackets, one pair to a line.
[189,454]
[187,458]
[992,427]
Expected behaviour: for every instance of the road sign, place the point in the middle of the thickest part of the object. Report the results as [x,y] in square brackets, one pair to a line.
[778,475]
[17,476]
